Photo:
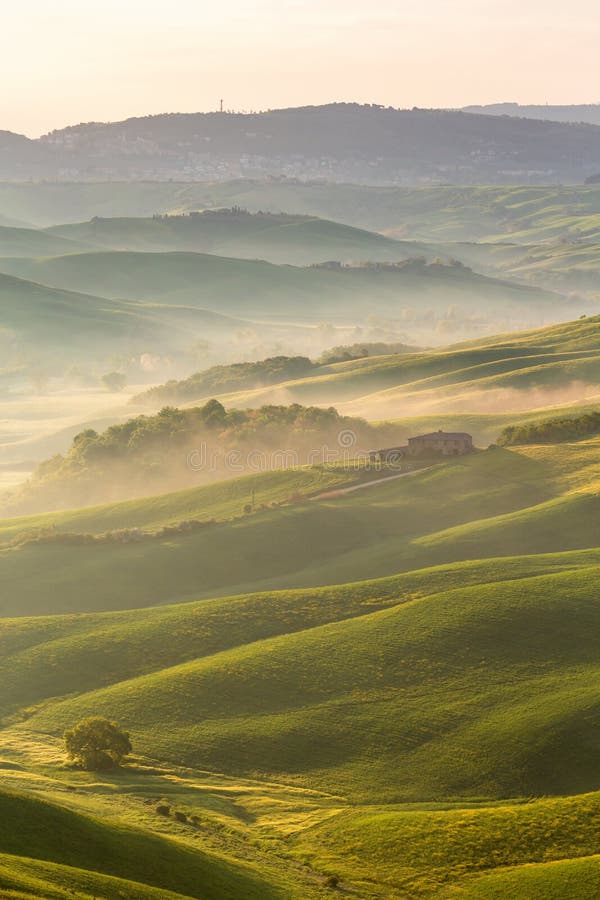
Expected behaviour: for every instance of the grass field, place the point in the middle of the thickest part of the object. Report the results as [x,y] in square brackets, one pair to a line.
[388,734]
[69,839]
[34,242]
[498,503]
[223,500]
[293,838]
[450,695]
[413,703]
[544,848]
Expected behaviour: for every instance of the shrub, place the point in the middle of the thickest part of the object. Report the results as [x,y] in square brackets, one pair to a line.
[552,431]
[114,381]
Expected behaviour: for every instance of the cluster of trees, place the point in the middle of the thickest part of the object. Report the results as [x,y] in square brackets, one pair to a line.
[552,431]
[233,212]
[178,448]
[347,352]
[415,264]
[235,377]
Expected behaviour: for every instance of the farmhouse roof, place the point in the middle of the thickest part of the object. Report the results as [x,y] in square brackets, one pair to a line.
[444,434]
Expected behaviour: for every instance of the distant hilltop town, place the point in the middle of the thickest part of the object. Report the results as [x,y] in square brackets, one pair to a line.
[438,443]
[345,142]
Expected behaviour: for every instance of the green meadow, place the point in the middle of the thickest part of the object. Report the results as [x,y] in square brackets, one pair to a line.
[500,502]
[378,732]
[431,733]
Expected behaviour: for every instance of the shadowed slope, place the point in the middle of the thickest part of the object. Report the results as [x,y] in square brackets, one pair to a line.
[30,827]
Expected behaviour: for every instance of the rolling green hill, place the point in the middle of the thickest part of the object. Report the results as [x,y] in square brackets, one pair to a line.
[498,503]
[484,690]
[39,317]
[446,688]
[241,287]
[543,848]
[34,242]
[544,236]
[444,213]
[480,387]
[278,238]
[376,731]
[523,371]
[45,324]
[33,831]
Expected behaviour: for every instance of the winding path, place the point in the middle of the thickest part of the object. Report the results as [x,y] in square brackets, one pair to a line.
[338,492]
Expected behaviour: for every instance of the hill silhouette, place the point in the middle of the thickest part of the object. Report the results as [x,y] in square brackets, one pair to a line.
[340,142]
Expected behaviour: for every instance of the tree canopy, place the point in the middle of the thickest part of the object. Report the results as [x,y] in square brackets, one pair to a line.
[552,431]
[97,743]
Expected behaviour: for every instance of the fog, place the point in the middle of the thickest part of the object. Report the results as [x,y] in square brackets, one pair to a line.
[462,400]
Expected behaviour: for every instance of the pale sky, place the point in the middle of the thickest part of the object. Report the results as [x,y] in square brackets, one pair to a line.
[68,61]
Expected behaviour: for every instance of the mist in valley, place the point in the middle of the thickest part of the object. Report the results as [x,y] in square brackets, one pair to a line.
[299,451]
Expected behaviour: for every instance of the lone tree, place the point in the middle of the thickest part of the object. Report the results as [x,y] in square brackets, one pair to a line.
[114,381]
[97,743]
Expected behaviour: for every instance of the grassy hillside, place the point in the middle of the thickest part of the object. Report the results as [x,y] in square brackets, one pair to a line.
[453,388]
[544,848]
[33,242]
[337,680]
[560,880]
[447,685]
[22,878]
[241,287]
[443,213]
[278,238]
[438,694]
[39,317]
[222,500]
[488,690]
[519,372]
[42,324]
[564,259]
[298,837]
[42,831]
[203,628]
[497,503]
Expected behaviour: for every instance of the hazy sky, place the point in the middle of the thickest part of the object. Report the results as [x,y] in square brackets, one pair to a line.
[67,61]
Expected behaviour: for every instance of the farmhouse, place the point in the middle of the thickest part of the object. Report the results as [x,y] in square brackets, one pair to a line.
[445,443]
[438,443]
